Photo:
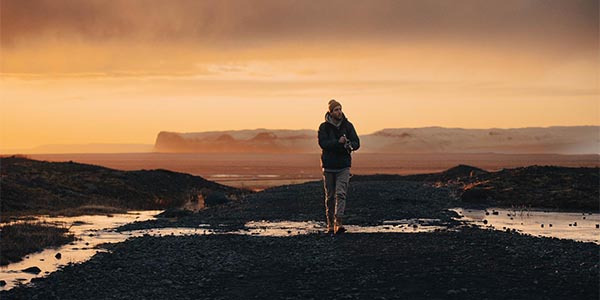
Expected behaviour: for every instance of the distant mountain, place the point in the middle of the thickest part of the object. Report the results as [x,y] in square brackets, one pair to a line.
[253,141]
[40,186]
[529,140]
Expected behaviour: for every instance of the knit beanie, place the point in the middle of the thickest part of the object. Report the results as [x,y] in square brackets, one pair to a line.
[333,104]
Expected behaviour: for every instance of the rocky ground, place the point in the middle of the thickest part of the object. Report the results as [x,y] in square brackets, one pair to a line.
[468,264]
[550,187]
[459,263]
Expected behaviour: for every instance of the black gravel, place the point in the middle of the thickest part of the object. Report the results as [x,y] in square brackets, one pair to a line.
[459,263]
[468,264]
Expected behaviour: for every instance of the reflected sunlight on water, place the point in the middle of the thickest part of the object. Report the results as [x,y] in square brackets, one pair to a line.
[566,225]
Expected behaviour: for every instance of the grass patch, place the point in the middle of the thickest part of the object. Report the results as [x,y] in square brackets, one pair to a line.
[18,240]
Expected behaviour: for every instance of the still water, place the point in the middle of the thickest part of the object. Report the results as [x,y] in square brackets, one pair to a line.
[584,227]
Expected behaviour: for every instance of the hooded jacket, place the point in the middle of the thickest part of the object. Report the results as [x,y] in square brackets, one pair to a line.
[334,155]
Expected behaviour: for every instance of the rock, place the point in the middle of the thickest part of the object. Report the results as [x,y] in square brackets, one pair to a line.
[32,270]
[58,255]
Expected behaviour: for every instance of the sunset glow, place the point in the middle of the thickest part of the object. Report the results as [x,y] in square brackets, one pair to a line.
[76,72]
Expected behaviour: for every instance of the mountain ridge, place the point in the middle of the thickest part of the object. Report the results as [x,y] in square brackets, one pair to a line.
[434,139]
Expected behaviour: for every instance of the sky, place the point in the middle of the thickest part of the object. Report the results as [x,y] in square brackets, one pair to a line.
[77,72]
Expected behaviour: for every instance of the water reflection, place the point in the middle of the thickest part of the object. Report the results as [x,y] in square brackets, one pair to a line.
[90,231]
[582,227]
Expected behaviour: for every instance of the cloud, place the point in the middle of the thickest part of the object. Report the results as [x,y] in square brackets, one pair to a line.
[285,39]
[229,23]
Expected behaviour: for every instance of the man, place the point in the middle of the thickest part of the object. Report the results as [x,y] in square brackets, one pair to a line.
[338,139]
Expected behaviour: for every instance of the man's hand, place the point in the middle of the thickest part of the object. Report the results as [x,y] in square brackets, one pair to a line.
[343,140]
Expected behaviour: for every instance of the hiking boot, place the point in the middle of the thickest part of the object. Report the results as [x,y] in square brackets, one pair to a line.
[338,228]
[330,226]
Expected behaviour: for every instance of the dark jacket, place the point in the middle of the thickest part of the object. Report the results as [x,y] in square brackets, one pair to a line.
[334,155]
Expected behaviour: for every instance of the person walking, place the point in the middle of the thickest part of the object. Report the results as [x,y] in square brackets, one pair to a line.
[337,139]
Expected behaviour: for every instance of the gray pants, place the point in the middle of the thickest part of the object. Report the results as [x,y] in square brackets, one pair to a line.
[336,189]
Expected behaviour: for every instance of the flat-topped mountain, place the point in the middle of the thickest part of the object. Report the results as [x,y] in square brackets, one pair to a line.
[252,141]
[529,140]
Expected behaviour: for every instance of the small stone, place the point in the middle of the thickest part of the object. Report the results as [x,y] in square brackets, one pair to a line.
[574,223]
[2,283]
[597,225]
[58,255]
[32,270]
[485,221]
[452,292]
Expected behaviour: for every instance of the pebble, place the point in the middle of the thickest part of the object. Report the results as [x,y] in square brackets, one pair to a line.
[32,270]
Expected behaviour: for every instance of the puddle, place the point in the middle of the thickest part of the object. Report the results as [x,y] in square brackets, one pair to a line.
[565,225]
[290,228]
[89,231]
[287,228]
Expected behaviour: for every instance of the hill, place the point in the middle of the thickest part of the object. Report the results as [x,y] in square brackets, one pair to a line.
[33,186]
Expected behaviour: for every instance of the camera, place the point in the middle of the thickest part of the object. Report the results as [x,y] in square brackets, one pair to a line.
[348,145]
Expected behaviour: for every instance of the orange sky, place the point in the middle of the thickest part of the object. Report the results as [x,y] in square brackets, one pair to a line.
[76,72]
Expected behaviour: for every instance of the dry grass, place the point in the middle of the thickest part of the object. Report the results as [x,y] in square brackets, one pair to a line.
[18,240]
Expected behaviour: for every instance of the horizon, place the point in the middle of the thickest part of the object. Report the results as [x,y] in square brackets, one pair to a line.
[126,148]
[93,72]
